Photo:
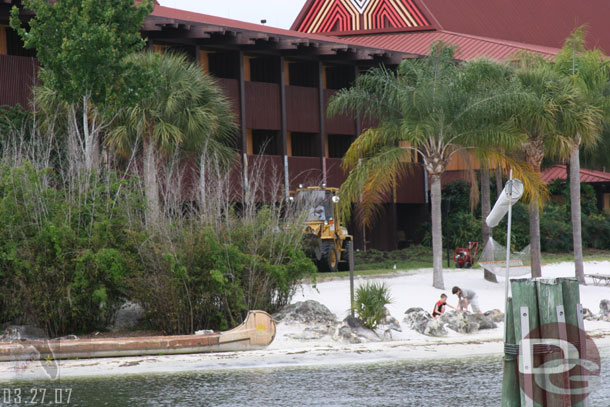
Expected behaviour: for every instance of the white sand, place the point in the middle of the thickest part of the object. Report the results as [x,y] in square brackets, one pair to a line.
[413,289]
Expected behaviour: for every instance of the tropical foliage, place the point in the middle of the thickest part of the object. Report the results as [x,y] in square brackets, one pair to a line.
[371,299]
[428,111]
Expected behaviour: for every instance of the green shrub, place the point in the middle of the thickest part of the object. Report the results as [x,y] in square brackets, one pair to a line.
[371,299]
[64,253]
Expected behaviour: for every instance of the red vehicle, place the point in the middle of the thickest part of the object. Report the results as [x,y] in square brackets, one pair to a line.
[464,256]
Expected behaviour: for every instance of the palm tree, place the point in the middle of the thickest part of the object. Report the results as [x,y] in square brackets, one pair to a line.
[590,72]
[429,110]
[185,112]
[552,113]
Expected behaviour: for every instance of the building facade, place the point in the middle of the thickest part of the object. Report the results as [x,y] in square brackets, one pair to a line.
[280,81]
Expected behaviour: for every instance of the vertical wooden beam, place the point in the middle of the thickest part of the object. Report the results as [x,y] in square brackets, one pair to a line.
[3,44]
[242,112]
[322,116]
[525,297]
[283,126]
[150,45]
[510,381]
[198,55]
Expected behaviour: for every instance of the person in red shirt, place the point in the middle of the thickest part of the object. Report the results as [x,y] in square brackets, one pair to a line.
[439,307]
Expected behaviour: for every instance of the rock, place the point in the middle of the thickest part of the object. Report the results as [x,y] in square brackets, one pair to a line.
[14,333]
[66,338]
[604,309]
[421,321]
[204,332]
[308,312]
[345,334]
[309,334]
[128,316]
[483,321]
[495,314]
[390,322]
[458,321]
[352,331]
[588,315]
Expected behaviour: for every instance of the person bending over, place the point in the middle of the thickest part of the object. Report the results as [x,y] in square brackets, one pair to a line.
[467,297]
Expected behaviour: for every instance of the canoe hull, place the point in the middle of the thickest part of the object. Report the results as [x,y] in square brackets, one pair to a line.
[256,332]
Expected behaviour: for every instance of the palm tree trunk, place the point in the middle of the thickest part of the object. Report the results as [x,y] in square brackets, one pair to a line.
[534,211]
[151,188]
[534,154]
[499,185]
[575,209]
[485,209]
[437,232]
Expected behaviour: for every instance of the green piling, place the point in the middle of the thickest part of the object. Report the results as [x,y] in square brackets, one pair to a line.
[571,299]
[524,295]
[551,311]
[510,381]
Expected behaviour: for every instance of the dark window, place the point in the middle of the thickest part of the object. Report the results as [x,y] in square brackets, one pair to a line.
[338,144]
[304,74]
[14,45]
[339,77]
[224,64]
[305,144]
[183,49]
[265,142]
[265,69]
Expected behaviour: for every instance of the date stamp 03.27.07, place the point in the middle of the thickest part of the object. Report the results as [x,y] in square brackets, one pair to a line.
[35,396]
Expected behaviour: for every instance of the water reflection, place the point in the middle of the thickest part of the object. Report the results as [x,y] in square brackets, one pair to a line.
[473,382]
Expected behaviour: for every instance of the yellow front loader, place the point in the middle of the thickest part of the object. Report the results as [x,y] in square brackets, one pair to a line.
[327,240]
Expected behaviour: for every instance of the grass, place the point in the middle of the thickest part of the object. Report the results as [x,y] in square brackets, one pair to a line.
[374,262]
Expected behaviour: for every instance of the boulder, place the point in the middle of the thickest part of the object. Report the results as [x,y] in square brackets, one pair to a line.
[308,312]
[15,333]
[604,309]
[495,315]
[482,320]
[458,321]
[128,316]
[309,334]
[390,323]
[421,321]
[352,331]
[588,315]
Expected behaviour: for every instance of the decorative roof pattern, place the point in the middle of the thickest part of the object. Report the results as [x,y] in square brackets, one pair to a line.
[559,172]
[324,16]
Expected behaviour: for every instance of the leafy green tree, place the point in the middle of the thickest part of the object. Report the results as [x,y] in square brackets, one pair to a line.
[186,113]
[429,110]
[82,47]
[590,72]
[554,110]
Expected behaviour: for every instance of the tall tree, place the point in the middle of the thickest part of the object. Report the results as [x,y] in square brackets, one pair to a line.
[552,113]
[186,113]
[590,72]
[82,47]
[429,110]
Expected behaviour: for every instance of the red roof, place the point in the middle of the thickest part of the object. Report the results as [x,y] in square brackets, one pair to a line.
[542,22]
[559,172]
[469,46]
[192,17]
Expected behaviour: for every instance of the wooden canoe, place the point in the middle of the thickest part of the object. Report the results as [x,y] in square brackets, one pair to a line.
[256,332]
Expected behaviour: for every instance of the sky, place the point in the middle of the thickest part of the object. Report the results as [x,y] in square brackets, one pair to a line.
[278,13]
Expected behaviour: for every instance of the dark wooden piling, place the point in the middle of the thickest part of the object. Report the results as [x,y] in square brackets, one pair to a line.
[510,380]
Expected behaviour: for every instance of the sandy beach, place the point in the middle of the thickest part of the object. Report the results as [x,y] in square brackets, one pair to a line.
[408,289]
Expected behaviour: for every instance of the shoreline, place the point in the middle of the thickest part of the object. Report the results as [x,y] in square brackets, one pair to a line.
[409,289]
[320,355]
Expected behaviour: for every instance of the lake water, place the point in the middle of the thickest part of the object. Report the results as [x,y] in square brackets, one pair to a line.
[472,382]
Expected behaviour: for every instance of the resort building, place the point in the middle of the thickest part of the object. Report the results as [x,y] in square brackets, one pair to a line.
[280,81]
